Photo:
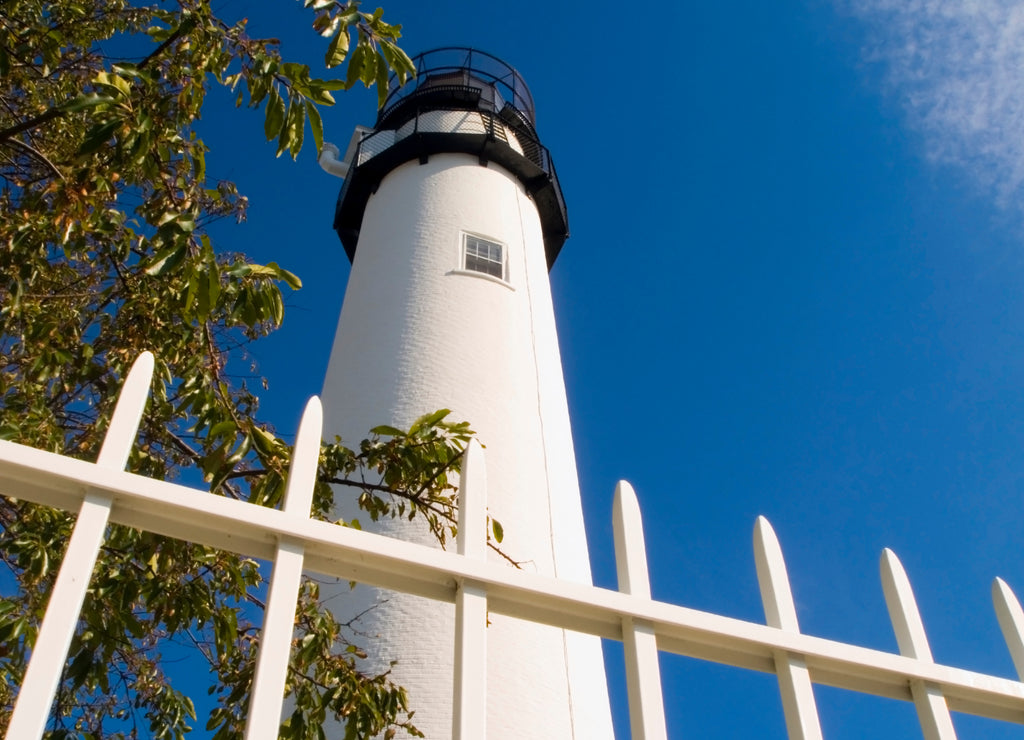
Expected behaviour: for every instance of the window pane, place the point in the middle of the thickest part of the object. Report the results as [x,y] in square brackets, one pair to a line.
[484,256]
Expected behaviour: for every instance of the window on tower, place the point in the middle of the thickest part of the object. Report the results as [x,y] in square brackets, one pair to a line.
[481,255]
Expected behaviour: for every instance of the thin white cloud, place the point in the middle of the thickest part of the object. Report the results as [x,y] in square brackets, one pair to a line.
[958,66]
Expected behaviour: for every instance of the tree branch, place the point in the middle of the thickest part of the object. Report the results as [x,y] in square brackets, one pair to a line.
[437,473]
[182,28]
[30,124]
[38,154]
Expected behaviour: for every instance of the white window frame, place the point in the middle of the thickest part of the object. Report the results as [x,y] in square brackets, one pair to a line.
[473,241]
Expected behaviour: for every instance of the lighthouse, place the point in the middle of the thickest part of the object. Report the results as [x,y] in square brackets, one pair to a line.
[452,215]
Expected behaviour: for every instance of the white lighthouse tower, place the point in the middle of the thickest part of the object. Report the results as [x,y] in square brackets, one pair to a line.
[452,214]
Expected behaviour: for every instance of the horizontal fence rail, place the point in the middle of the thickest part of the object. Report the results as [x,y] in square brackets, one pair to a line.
[102,493]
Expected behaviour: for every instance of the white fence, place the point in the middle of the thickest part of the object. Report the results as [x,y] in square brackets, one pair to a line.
[103,493]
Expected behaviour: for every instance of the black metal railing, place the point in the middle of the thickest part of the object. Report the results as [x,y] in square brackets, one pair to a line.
[462,66]
[492,126]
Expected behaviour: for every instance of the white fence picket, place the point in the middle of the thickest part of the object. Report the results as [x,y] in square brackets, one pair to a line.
[643,674]
[932,711]
[279,619]
[780,612]
[58,628]
[469,718]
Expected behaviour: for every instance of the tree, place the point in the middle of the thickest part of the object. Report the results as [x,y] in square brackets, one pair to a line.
[104,210]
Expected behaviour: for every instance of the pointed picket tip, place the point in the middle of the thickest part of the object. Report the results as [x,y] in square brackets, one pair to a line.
[626,509]
[472,536]
[903,611]
[773,578]
[765,539]
[124,423]
[298,495]
[1011,622]
[630,547]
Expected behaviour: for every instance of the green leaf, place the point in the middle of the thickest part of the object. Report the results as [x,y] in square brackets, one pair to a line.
[389,431]
[382,81]
[87,100]
[209,290]
[290,139]
[316,126]
[158,34]
[326,26]
[78,671]
[115,83]
[166,260]
[212,284]
[290,278]
[265,442]
[398,60]
[277,306]
[199,163]
[337,50]
[275,115]
[356,62]
[368,73]
[98,136]
[428,420]
[318,93]
[298,125]
[498,530]
[297,73]
[270,270]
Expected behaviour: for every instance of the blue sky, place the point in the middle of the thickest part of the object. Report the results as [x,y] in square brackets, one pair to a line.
[793,288]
